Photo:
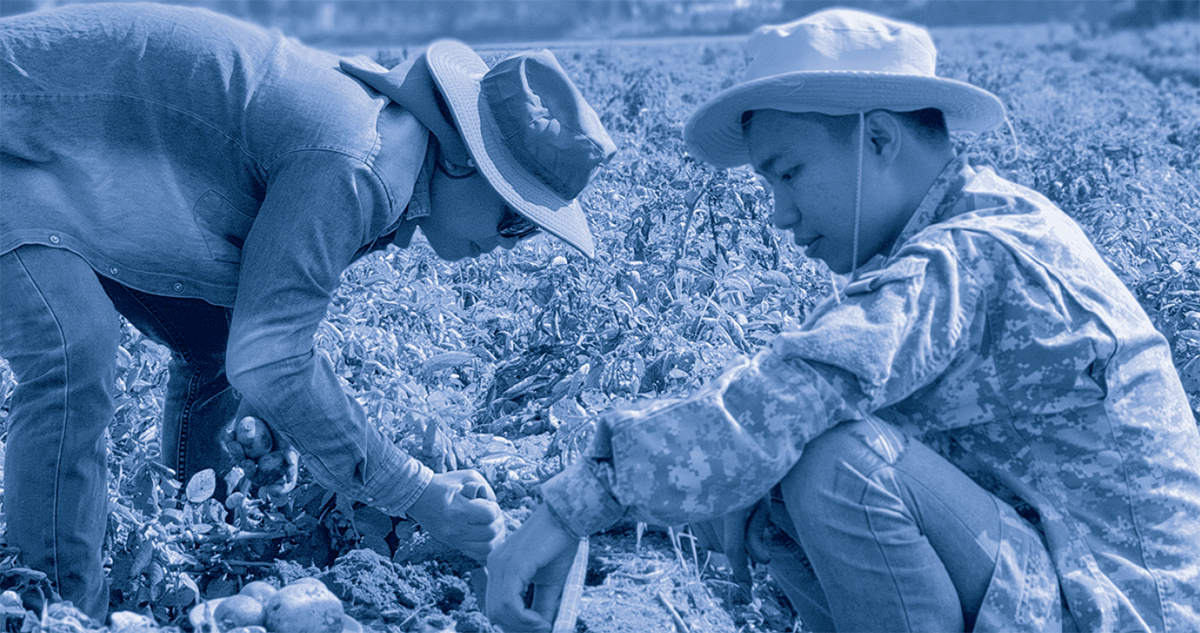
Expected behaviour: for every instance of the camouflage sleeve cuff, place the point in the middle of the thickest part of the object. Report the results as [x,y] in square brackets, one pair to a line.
[580,500]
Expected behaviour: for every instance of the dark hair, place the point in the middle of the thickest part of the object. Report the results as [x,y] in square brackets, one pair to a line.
[929,124]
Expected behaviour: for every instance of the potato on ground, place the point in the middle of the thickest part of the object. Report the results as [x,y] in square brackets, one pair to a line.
[239,610]
[254,436]
[305,606]
[259,590]
[271,468]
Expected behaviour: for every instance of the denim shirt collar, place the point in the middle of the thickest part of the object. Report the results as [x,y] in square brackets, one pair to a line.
[419,204]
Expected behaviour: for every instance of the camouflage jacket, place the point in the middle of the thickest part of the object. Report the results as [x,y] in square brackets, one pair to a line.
[994,332]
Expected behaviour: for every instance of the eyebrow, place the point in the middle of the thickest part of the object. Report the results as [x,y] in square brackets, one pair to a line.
[767,167]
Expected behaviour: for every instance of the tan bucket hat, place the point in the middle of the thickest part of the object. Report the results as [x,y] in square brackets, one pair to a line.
[525,127]
[836,62]
[529,130]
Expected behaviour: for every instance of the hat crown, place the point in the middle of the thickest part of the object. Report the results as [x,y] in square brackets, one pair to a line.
[545,121]
[840,40]
[836,62]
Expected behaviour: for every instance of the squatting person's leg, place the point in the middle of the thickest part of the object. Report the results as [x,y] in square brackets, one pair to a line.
[898,538]
[60,335]
[199,400]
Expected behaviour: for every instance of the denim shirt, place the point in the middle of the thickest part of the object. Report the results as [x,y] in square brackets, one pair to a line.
[995,333]
[187,154]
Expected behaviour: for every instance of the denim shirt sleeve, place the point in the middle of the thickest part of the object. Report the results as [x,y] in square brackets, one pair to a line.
[317,214]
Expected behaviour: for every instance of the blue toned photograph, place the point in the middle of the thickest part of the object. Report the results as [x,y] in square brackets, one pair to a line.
[604,316]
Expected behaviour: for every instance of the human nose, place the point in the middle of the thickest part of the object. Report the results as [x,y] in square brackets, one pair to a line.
[786,214]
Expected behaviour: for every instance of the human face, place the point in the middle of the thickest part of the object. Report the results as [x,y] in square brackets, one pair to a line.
[464,216]
[813,178]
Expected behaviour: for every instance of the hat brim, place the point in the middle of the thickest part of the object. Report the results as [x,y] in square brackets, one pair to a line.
[714,132]
[458,71]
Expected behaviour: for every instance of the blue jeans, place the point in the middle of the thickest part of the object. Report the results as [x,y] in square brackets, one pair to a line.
[873,531]
[59,331]
[199,400]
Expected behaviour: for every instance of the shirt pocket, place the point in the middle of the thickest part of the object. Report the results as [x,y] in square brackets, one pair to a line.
[223,226]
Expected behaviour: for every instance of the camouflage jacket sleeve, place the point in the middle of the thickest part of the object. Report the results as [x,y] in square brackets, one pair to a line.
[896,328]
[672,461]
[893,330]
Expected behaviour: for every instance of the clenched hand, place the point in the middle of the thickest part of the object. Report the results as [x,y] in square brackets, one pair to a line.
[459,509]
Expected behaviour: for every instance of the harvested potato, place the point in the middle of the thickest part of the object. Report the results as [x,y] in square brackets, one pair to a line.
[236,451]
[305,606]
[259,590]
[271,468]
[249,467]
[254,436]
[239,610]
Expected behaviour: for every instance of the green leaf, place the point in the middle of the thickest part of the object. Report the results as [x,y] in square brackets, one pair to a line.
[202,486]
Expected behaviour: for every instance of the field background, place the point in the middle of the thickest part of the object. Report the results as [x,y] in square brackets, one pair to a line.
[511,355]
[392,23]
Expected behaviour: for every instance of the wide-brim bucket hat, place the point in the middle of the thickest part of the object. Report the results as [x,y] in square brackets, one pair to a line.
[529,131]
[836,62]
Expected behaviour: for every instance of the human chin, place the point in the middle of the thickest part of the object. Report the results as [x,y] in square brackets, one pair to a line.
[453,251]
[814,250]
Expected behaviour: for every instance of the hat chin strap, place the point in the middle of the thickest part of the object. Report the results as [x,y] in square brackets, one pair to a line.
[837,295]
[862,137]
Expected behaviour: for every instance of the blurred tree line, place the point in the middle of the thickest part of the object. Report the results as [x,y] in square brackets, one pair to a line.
[363,23]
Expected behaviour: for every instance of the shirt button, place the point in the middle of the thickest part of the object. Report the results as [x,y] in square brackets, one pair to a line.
[178,286]
[114,270]
[54,239]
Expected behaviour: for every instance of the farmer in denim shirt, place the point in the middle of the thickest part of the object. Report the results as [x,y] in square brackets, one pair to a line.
[979,430]
[210,181]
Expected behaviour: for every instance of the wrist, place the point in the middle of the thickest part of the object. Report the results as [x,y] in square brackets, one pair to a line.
[411,501]
[580,501]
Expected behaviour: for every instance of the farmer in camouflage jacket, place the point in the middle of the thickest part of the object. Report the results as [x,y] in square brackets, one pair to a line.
[211,180]
[979,430]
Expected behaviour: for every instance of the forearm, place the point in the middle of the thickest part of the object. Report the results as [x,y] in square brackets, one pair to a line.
[321,208]
[301,399]
[697,458]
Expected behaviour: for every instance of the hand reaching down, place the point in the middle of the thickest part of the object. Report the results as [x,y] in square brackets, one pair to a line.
[459,509]
[541,553]
[266,458]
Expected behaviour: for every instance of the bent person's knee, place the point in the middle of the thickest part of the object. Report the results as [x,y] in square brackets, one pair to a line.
[92,344]
[864,445]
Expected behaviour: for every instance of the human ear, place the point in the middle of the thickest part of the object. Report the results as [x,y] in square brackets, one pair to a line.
[883,134]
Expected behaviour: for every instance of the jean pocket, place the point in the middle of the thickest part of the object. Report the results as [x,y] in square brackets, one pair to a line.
[223,226]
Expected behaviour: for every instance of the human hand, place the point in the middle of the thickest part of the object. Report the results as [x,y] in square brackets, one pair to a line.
[265,457]
[459,509]
[540,552]
[738,535]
